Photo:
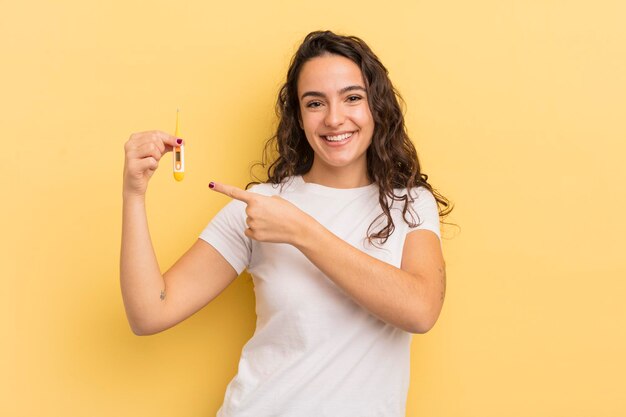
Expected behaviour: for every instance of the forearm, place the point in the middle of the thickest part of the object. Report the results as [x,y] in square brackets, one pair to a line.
[391,294]
[141,281]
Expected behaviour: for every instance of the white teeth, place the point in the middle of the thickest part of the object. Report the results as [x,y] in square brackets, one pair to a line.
[338,138]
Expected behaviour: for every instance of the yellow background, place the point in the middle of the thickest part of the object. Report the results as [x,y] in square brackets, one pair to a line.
[517,110]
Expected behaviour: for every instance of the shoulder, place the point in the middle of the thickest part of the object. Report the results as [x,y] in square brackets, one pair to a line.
[420,195]
[423,209]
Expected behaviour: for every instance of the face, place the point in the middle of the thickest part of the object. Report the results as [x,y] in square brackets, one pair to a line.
[336,117]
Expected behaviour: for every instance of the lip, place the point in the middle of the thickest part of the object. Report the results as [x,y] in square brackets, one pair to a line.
[340,143]
[341,132]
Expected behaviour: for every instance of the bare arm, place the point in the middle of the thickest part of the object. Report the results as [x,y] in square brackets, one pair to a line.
[155,302]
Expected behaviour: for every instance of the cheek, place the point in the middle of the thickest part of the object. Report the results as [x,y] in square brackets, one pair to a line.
[363,116]
[310,123]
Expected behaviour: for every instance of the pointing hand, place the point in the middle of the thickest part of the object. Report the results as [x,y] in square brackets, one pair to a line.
[269,219]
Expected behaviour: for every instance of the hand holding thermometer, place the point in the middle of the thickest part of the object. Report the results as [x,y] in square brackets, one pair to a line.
[179,156]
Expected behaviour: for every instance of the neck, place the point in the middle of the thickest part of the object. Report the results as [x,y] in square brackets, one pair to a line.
[337,177]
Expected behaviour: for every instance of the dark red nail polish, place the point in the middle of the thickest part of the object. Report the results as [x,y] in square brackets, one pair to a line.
[179,141]
[211,184]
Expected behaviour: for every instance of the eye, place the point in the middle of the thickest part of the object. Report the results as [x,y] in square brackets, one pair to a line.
[354,98]
[313,104]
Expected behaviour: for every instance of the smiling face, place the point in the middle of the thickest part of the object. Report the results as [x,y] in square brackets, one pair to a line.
[335,116]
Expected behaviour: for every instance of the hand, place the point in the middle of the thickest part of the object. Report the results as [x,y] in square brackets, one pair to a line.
[143,153]
[270,219]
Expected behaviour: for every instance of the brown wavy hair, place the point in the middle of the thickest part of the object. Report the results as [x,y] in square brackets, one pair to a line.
[392,161]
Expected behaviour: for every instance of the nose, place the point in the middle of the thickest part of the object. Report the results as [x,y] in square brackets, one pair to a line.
[334,116]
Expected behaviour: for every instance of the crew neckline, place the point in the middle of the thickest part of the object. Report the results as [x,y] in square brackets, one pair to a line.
[331,191]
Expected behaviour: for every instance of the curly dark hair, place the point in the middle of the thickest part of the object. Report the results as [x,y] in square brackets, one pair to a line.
[392,161]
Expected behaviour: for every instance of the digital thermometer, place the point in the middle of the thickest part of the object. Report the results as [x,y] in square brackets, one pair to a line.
[179,155]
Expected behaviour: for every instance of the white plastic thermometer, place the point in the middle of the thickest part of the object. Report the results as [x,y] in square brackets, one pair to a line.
[179,155]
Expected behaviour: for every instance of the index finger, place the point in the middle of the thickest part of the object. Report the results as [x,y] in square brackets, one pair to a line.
[171,141]
[165,141]
[233,192]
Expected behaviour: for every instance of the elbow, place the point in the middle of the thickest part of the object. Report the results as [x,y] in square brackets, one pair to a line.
[426,316]
[143,332]
[138,330]
[420,327]
[145,324]
[143,329]
[424,323]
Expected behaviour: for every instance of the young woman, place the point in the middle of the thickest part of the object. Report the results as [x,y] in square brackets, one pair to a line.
[342,242]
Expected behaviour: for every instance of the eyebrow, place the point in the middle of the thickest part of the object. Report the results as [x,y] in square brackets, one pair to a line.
[342,91]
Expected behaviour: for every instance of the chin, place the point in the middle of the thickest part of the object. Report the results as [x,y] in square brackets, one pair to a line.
[339,163]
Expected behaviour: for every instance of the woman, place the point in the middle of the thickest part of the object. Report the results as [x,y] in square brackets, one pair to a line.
[342,242]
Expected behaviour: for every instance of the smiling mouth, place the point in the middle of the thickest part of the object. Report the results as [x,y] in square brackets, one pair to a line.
[338,138]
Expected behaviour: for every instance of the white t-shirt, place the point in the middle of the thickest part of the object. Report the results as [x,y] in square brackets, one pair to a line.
[316,352]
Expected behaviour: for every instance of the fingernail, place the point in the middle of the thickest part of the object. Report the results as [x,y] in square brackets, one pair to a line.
[211,184]
[179,141]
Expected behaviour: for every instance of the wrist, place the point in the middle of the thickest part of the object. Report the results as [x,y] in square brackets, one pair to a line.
[308,234]
[130,197]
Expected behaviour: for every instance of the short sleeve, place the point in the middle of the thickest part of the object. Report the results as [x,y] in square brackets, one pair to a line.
[225,232]
[425,206]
